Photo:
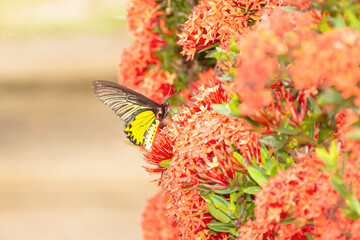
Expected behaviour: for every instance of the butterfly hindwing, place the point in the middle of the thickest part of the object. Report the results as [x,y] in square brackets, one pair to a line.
[136,130]
[150,134]
[141,115]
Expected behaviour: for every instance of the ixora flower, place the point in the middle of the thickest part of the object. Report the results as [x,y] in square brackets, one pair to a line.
[331,58]
[216,21]
[137,57]
[200,152]
[157,84]
[142,16]
[259,69]
[155,222]
[135,60]
[300,201]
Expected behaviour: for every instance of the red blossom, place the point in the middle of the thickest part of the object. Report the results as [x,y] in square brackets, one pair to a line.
[141,16]
[137,57]
[200,144]
[303,193]
[259,68]
[157,84]
[207,79]
[161,150]
[155,222]
[331,58]
[216,21]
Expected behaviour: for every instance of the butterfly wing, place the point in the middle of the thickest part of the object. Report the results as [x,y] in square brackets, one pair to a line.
[125,102]
[137,111]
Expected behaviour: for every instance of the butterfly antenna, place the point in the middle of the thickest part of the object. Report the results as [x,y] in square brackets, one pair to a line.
[173,96]
[168,93]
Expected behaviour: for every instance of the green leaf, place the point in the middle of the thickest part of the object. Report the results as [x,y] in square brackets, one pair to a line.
[219,200]
[252,190]
[239,158]
[234,105]
[271,140]
[339,21]
[352,20]
[217,213]
[220,226]
[197,214]
[309,236]
[256,175]
[350,213]
[225,191]
[354,134]
[324,25]
[233,46]
[289,9]
[325,156]
[223,109]
[340,187]
[209,47]
[286,131]
[355,206]
[206,197]
[314,108]
[165,163]
[287,221]
[324,134]
[234,232]
[274,170]
[330,96]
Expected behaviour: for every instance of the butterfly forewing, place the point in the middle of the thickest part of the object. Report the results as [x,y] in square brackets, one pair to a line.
[139,113]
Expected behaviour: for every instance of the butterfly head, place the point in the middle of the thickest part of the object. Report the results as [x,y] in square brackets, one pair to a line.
[163,112]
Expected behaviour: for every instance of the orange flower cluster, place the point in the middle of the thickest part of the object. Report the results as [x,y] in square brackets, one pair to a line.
[200,156]
[141,16]
[140,54]
[161,150]
[331,58]
[259,68]
[206,79]
[136,59]
[155,222]
[214,21]
[157,84]
[302,194]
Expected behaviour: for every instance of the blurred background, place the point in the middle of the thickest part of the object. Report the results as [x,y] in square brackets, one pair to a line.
[66,169]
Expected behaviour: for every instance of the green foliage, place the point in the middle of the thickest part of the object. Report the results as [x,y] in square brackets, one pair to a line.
[331,159]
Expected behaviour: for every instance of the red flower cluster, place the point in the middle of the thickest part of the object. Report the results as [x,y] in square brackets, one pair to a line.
[331,58]
[155,222]
[140,54]
[136,59]
[157,84]
[259,68]
[141,16]
[214,21]
[304,196]
[200,157]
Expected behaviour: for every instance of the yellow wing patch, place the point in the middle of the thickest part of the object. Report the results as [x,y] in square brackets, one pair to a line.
[137,129]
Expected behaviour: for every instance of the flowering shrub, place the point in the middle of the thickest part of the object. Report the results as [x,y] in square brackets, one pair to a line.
[265,139]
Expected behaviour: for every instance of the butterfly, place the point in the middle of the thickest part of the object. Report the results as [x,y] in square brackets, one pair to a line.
[141,115]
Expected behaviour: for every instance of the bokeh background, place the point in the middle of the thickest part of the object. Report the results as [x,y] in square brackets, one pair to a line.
[66,169]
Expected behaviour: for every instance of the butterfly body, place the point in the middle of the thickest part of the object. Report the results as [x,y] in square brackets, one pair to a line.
[140,114]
